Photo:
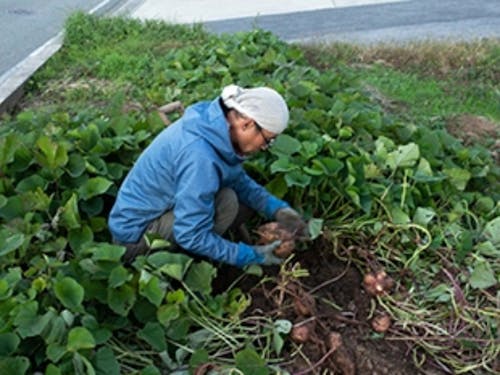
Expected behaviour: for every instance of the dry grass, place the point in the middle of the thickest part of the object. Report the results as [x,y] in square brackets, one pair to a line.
[438,59]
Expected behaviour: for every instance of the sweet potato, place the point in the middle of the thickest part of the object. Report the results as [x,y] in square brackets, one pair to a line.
[377,284]
[381,323]
[300,334]
[274,231]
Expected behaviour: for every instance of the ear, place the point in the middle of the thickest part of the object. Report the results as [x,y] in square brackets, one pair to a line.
[246,123]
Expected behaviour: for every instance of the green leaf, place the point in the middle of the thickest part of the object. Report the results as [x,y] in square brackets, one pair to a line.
[79,237]
[200,276]
[76,165]
[251,363]
[482,276]
[106,252]
[14,365]
[150,370]
[70,218]
[283,165]
[423,216]
[277,186]
[154,335]
[121,299]
[9,342]
[31,183]
[8,146]
[399,216]
[403,156]
[168,313]
[53,154]
[179,328]
[484,204]
[80,338]
[458,177]
[56,332]
[464,244]
[9,241]
[297,178]
[329,166]
[3,200]
[119,276]
[93,187]
[151,287]
[69,293]
[286,145]
[106,363]
[254,270]
[29,323]
[177,265]
[315,228]
[281,327]
[55,352]
[14,207]
[487,248]
[159,259]
[82,365]
[52,369]
[93,206]
[198,358]
[492,232]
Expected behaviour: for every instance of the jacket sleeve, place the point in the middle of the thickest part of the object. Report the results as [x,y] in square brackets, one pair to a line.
[198,181]
[255,196]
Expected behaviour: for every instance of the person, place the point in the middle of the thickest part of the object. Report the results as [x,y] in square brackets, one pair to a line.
[189,185]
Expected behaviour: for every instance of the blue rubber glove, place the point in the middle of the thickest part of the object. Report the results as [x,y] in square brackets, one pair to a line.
[293,222]
[267,252]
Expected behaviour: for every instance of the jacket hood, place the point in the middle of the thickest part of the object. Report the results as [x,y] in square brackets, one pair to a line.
[207,120]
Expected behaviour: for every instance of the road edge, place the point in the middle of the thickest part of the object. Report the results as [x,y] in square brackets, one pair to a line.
[13,81]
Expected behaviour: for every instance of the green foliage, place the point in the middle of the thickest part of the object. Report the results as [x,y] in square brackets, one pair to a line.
[68,304]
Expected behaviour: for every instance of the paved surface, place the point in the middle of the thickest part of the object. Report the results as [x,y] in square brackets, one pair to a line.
[28,24]
[390,22]
[32,32]
[33,27]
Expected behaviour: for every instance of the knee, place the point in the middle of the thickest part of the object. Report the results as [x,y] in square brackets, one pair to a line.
[226,209]
[227,201]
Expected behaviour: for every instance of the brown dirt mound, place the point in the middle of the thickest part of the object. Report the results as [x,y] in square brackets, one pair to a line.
[472,129]
[337,313]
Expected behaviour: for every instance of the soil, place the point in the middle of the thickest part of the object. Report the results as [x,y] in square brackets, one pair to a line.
[472,129]
[337,310]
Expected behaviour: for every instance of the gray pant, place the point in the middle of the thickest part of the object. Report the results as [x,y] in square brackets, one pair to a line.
[227,209]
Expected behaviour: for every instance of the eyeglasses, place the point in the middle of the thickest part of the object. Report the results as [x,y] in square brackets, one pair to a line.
[269,141]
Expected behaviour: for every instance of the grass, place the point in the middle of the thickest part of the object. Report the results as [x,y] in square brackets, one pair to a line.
[427,78]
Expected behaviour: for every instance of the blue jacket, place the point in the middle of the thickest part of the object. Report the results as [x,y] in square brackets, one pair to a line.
[183,169]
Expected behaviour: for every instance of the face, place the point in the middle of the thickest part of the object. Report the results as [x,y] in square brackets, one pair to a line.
[247,136]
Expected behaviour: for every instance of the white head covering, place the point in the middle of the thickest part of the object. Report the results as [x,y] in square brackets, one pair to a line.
[262,104]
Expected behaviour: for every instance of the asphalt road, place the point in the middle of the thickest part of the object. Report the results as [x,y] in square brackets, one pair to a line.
[26,25]
[389,22]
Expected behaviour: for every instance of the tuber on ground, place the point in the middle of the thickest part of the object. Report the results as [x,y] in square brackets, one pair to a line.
[300,334]
[304,304]
[381,323]
[378,283]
